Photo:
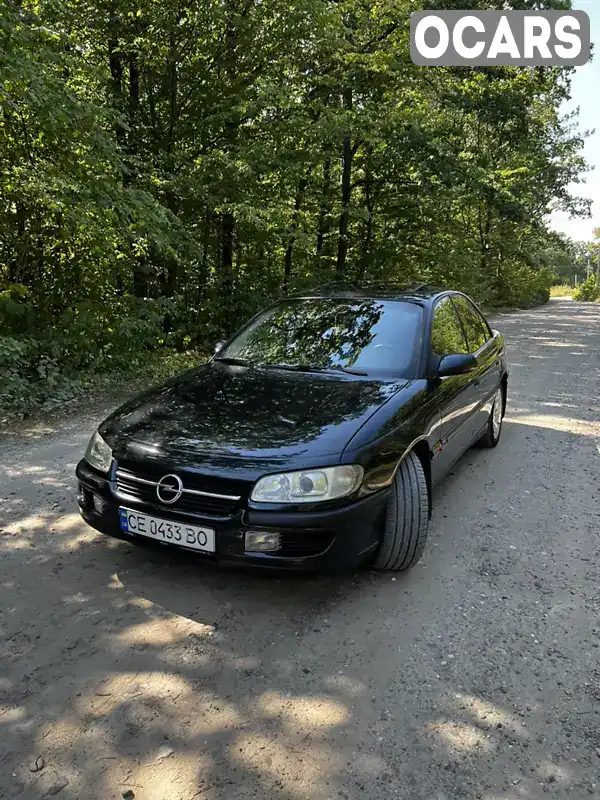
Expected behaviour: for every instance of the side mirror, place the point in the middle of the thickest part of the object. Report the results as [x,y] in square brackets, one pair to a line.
[218,346]
[458,364]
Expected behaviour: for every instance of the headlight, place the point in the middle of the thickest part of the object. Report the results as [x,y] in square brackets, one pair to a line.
[308,486]
[98,453]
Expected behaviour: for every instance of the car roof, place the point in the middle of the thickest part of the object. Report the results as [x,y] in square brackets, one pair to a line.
[376,290]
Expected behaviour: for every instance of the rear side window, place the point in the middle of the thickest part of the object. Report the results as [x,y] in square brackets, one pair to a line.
[447,337]
[475,328]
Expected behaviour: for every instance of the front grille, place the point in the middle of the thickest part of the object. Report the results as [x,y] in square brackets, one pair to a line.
[199,496]
[301,543]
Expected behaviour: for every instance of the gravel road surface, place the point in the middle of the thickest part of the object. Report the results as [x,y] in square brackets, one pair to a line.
[129,673]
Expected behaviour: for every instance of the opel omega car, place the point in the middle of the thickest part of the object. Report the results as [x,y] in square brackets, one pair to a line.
[311,438]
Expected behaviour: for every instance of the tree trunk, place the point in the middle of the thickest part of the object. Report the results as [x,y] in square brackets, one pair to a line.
[324,208]
[205,244]
[116,71]
[140,281]
[227,234]
[173,87]
[231,131]
[287,271]
[347,155]
[484,236]
[134,100]
[17,265]
[370,205]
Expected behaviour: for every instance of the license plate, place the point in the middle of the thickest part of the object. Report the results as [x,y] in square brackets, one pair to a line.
[164,530]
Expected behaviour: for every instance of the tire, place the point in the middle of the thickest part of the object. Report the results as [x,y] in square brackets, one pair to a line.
[491,437]
[407,518]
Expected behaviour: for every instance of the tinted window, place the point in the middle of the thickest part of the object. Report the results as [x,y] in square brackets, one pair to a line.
[477,334]
[447,336]
[333,332]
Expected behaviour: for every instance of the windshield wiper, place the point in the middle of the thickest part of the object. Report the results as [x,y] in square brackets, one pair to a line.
[240,362]
[310,368]
[348,370]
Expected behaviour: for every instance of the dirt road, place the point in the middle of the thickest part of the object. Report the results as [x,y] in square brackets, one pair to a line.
[477,675]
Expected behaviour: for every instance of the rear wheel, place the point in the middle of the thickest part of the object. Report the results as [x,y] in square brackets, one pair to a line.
[407,518]
[491,437]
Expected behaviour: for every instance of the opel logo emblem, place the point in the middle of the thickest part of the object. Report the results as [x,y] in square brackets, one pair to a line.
[169,489]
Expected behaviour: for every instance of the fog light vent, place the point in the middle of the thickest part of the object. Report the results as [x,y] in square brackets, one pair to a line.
[99,504]
[262,542]
[85,498]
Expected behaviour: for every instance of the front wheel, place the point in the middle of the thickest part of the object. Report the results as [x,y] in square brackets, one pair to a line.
[491,437]
[407,518]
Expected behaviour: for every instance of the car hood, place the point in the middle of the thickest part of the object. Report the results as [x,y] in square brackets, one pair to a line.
[244,412]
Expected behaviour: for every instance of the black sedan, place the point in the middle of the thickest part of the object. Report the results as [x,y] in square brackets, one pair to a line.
[311,439]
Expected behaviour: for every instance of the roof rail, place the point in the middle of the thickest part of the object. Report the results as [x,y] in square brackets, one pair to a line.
[376,287]
[354,285]
[413,286]
[338,285]
[420,286]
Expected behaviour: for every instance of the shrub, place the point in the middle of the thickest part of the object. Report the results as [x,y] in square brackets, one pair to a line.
[42,365]
[587,290]
[523,287]
[108,336]
[30,373]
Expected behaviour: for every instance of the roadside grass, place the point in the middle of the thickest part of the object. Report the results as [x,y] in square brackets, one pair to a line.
[563,290]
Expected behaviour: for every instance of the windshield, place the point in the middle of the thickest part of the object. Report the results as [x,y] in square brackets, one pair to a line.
[333,333]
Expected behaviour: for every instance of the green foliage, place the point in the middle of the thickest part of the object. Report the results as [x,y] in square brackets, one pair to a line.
[29,375]
[119,331]
[167,170]
[87,336]
[522,287]
[587,290]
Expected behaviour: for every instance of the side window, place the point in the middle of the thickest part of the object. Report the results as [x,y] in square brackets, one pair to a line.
[447,337]
[475,328]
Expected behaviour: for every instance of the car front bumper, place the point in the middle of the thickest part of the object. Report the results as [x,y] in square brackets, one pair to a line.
[339,538]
